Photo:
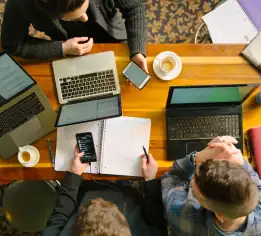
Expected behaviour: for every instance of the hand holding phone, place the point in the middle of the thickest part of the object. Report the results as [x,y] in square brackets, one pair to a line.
[86,145]
[136,75]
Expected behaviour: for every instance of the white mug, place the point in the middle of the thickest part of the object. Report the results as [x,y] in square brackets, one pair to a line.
[28,156]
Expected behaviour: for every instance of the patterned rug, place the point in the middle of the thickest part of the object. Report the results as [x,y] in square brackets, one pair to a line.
[169,21]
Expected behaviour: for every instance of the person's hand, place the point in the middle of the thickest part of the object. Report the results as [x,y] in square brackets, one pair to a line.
[77,47]
[77,166]
[149,168]
[141,61]
[221,142]
[217,150]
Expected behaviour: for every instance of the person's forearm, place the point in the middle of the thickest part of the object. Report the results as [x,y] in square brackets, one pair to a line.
[35,48]
[135,22]
[175,183]
[153,209]
[65,205]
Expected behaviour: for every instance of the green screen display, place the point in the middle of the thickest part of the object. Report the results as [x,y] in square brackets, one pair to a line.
[209,94]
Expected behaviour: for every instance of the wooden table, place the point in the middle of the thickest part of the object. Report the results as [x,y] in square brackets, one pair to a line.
[202,65]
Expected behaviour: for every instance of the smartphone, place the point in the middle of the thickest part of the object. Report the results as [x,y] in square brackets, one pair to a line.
[136,75]
[85,144]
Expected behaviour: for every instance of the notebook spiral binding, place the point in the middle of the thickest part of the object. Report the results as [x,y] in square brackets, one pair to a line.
[103,130]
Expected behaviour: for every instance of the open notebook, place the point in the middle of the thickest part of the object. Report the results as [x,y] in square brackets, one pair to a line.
[118,144]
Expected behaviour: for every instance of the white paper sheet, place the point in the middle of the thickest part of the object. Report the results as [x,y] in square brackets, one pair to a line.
[229,23]
[122,145]
[66,141]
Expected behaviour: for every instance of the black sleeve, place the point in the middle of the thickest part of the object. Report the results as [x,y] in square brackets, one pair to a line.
[65,206]
[15,36]
[133,11]
[153,209]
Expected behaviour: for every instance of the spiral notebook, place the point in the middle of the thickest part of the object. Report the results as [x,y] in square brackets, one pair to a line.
[118,145]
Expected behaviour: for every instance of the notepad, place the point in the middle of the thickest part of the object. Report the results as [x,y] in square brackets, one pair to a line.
[229,23]
[118,145]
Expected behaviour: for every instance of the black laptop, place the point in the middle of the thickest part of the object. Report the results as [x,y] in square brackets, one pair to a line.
[195,115]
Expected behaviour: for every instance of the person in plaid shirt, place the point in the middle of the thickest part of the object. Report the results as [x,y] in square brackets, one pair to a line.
[213,192]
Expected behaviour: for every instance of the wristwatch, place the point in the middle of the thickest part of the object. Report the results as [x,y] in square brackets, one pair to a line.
[193,158]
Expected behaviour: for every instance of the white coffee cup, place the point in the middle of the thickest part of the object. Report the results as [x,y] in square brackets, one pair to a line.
[28,156]
[167,64]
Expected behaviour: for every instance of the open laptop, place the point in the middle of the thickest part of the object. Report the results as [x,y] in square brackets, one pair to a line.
[25,112]
[196,115]
[88,88]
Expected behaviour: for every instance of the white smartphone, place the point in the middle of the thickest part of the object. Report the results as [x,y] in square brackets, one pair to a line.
[136,75]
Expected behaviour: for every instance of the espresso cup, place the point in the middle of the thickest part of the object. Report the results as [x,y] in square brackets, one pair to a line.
[167,64]
[28,156]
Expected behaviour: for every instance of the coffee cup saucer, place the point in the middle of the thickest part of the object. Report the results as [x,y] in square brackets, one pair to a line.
[172,74]
[32,162]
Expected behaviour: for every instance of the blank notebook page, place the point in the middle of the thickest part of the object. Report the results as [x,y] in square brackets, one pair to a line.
[123,139]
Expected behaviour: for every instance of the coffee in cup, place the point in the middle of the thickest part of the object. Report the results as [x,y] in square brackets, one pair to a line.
[28,156]
[167,64]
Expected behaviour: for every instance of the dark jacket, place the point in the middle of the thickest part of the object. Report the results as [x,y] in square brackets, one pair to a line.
[145,215]
[19,14]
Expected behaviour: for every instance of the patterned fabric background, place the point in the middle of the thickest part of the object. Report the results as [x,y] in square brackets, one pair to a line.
[169,21]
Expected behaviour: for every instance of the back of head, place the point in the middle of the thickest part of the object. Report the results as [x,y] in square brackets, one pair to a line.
[99,218]
[228,188]
[56,8]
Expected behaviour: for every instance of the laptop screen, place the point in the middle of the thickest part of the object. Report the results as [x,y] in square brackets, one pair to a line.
[89,110]
[13,79]
[196,95]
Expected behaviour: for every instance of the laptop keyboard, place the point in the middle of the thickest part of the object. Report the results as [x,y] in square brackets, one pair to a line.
[88,84]
[205,127]
[19,113]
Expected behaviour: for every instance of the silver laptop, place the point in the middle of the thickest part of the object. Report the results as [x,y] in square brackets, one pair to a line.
[25,112]
[86,77]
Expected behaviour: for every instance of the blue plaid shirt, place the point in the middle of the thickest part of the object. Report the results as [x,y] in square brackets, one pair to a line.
[185,215]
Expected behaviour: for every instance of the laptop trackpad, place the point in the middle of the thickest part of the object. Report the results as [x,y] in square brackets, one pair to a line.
[195,146]
[28,132]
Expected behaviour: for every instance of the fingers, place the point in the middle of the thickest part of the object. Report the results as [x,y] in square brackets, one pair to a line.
[80,39]
[79,155]
[224,139]
[76,150]
[86,47]
[143,162]
[225,147]
[144,66]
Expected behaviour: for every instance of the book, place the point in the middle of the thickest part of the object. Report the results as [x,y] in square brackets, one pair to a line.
[118,145]
[255,137]
[229,23]
[252,9]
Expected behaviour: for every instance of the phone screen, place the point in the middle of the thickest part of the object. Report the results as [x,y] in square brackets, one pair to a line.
[136,75]
[86,145]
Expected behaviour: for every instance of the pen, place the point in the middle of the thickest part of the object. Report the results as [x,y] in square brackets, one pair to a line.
[248,150]
[146,154]
[50,152]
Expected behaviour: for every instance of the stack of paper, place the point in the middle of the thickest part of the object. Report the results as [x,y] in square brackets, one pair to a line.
[229,23]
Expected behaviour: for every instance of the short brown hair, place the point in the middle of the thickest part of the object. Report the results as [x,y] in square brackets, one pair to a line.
[228,187]
[99,218]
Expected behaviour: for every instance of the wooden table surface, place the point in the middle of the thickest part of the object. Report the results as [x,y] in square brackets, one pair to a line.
[202,65]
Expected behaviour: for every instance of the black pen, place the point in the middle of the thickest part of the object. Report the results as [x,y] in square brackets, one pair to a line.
[50,151]
[146,154]
[248,150]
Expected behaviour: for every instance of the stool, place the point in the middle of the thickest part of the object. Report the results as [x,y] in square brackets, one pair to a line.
[28,204]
